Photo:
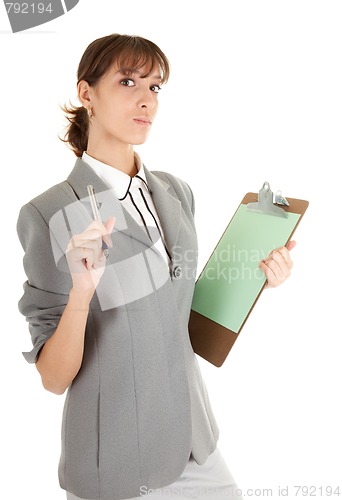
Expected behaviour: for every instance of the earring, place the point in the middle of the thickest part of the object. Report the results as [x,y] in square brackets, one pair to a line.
[90,112]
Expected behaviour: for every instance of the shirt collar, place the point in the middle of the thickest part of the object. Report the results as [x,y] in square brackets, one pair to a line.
[118,181]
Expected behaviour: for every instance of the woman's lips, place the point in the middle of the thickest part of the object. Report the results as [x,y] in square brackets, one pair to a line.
[142,121]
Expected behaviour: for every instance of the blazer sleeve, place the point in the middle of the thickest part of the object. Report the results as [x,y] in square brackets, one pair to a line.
[46,290]
[192,200]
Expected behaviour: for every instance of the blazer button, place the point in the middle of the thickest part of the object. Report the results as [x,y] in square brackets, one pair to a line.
[177,272]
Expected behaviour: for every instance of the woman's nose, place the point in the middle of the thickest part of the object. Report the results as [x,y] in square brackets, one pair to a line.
[147,99]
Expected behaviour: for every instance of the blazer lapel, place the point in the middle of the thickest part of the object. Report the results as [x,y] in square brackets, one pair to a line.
[168,209]
[82,175]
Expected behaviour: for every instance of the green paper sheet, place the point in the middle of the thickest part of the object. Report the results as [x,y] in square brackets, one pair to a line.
[231,280]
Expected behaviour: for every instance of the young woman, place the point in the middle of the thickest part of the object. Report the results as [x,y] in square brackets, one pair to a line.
[108,300]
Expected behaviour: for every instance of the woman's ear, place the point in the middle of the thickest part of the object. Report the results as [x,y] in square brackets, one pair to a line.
[83,92]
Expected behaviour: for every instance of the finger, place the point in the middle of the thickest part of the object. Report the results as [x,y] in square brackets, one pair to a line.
[80,259]
[83,247]
[109,226]
[90,250]
[291,244]
[270,276]
[284,252]
[94,233]
[280,269]
[76,261]
[282,256]
[89,261]
[99,261]
[99,230]
[93,236]
[275,273]
[104,228]
[93,253]
[272,280]
[78,253]
[274,266]
[87,255]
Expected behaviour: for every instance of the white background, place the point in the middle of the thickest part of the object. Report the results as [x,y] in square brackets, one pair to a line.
[255,95]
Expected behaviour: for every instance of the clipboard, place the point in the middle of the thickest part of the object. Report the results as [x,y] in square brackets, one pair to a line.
[231,282]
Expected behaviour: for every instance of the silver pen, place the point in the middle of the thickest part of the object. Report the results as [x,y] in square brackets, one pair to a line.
[96,214]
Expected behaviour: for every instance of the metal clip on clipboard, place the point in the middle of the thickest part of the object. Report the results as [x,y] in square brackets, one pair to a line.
[265,203]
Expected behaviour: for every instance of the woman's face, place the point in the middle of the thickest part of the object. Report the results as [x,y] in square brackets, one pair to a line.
[124,105]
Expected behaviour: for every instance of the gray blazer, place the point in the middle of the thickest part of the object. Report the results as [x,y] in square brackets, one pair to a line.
[138,407]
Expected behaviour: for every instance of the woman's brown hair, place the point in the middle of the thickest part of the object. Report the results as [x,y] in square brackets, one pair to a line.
[128,53]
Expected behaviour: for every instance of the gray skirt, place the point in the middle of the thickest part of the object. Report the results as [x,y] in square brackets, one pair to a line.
[209,481]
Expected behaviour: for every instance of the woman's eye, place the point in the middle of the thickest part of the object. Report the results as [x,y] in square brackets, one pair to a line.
[127,82]
[155,88]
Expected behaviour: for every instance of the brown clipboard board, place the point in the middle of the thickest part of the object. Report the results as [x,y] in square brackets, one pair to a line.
[211,340]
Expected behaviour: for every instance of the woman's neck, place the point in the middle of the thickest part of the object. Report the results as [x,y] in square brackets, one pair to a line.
[121,158]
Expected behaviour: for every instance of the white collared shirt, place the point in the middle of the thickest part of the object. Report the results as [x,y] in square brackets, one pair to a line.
[134,195]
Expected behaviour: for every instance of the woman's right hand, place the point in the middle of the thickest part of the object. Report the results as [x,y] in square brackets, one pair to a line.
[85,257]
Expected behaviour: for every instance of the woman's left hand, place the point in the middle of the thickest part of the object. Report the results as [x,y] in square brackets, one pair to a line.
[277,266]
